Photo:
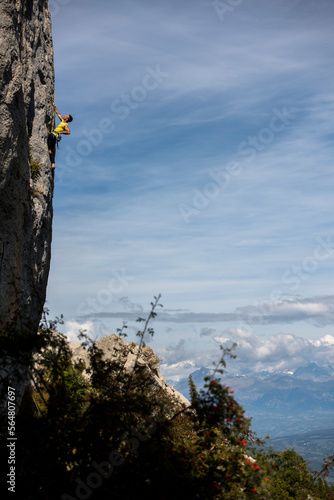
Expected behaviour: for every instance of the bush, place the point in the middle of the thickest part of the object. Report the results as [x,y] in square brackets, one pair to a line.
[35,167]
[117,435]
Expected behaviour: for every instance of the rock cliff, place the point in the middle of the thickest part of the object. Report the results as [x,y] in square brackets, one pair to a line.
[26,182]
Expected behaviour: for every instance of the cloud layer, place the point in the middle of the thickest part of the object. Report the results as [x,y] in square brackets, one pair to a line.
[184,345]
[317,310]
[278,352]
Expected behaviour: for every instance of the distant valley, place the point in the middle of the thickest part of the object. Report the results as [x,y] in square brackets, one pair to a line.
[313,446]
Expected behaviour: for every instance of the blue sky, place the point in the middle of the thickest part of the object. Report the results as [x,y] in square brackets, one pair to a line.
[199,167]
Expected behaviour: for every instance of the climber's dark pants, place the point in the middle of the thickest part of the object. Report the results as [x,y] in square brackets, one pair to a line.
[52,141]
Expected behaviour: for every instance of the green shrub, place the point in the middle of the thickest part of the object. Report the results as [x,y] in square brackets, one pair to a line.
[35,167]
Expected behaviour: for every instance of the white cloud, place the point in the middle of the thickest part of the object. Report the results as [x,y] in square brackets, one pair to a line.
[278,352]
[179,370]
[72,329]
[175,353]
[243,335]
[320,310]
[286,308]
[327,340]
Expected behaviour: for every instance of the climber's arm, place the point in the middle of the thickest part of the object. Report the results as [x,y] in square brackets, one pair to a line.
[57,112]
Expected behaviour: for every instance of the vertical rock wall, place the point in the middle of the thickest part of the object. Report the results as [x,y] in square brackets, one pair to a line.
[26,95]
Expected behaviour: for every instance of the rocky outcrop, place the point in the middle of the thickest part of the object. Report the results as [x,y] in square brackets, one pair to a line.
[113,348]
[26,95]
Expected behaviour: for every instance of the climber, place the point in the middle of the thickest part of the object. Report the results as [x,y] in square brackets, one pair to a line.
[55,136]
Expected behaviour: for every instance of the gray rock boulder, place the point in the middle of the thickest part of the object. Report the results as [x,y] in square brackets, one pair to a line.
[113,348]
[26,95]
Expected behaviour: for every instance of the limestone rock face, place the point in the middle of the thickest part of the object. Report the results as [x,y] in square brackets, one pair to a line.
[26,95]
[113,347]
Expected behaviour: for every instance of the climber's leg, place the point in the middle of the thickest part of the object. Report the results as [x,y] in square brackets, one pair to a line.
[52,149]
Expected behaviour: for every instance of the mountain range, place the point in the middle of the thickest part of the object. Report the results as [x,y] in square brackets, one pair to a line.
[279,403]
